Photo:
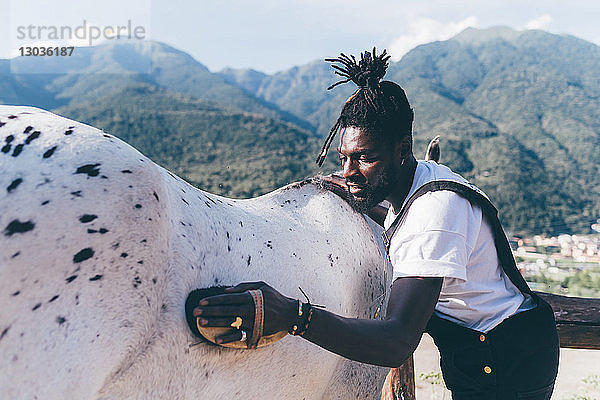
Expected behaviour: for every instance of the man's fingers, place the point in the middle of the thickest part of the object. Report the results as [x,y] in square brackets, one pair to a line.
[229,337]
[334,187]
[224,311]
[222,322]
[336,179]
[242,287]
[337,186]
[331,186]
[221,299]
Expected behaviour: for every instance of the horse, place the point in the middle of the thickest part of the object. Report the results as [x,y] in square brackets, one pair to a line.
[99,248]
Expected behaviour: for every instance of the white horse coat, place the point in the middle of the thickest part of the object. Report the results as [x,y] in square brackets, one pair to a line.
[99,248]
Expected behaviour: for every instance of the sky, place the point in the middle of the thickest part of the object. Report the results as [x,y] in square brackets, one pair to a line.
[274,35]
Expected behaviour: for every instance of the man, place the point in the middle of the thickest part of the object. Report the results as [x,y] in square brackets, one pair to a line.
[452,275]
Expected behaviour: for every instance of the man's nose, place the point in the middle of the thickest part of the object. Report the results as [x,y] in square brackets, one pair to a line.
[349,168]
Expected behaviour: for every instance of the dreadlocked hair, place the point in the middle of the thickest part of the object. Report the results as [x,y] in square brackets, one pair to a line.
[379,107]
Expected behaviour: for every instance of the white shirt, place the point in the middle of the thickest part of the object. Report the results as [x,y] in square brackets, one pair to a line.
[445,236]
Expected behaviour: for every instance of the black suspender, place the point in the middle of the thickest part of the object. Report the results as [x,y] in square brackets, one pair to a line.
[507,262]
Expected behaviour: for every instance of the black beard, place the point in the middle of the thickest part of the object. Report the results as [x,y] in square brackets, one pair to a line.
[364,204]
[372,194]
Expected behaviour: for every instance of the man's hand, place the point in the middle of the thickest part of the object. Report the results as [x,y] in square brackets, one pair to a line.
[336,184]
[222,310]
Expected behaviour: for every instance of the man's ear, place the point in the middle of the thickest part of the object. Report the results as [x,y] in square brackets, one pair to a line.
[403,148]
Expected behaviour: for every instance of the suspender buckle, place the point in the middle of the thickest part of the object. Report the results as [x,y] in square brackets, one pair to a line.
[386,241]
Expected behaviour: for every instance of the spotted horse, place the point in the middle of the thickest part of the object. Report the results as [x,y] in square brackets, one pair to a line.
[99,248]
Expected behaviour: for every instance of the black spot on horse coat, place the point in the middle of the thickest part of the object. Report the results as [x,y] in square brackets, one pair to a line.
[87,218]
[32,137]
[16,226]
[49,152]
[18,149]
[89,169]
[83,255]
[14,185]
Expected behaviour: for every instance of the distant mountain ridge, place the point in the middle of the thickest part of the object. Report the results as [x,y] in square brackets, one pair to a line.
[517,112]
[109,67]
[500,99]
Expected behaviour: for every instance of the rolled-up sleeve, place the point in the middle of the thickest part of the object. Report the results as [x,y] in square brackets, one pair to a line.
[435,239]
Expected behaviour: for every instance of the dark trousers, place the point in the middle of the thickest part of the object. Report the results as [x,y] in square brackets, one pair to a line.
[518,359]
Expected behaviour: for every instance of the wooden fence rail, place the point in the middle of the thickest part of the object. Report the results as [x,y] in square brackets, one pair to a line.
[577,320]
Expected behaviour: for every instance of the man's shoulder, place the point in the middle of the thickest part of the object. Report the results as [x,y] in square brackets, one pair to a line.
[437,207]
[443,209]
[428,171]
[440,205]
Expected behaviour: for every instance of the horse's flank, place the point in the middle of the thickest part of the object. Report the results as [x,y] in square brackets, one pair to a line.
[105,245]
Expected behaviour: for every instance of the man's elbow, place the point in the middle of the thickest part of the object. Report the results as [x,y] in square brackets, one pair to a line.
[396,360]
[399,352]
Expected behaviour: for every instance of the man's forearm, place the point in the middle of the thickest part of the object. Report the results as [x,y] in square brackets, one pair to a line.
[378,342]
[386,342]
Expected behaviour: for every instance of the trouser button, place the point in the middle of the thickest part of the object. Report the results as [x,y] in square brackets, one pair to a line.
[487,369]
[482,338]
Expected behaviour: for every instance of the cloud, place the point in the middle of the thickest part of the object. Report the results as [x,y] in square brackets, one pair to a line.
[425,30]
[540,22]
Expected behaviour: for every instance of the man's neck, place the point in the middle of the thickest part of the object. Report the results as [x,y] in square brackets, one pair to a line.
[402,186]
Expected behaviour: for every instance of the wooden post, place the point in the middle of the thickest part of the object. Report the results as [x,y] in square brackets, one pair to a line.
[400,382]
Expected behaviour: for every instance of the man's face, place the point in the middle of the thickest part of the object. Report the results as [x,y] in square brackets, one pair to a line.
[367,166]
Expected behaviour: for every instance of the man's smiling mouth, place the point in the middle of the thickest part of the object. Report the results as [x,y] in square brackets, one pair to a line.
[356,189]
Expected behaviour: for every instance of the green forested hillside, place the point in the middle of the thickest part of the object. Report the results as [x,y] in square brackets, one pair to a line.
[223,151]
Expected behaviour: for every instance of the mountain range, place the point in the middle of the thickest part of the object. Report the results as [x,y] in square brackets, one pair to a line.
[517,112]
